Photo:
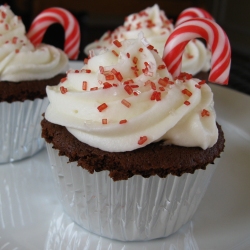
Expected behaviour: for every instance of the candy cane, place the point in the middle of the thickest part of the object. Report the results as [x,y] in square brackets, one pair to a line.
[66,19]
[217,42]
[192,13]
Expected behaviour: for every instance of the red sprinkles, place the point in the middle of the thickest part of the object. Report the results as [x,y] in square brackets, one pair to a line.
[115,53]
[128,89]
[142,140]
[186,92]
[63,90]
[117,43]
[102,107]
[126,103]
[84,85]
[123,121]
[104,121]
[63,79]
[205,112]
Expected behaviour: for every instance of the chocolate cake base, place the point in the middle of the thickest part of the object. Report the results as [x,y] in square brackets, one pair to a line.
[26,90]
[153,159]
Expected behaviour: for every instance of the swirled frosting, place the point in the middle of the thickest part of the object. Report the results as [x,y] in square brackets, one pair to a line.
[156,27]
[19,59]
[124,98]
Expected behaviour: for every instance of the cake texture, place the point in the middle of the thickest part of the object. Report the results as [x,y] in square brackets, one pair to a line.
[25,71]
[153,159]
[26,90]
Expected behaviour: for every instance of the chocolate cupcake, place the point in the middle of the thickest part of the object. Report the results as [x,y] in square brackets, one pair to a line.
[25,71]
[132,148]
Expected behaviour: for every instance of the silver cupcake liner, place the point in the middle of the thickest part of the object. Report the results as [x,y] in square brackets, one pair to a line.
[20,129]
[132,210]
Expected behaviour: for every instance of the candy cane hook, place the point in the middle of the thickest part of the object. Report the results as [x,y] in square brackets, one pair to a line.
[66,19]
[193,12]
[217,42]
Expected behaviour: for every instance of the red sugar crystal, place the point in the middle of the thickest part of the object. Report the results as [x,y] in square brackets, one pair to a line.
[205,112]
[135,60]
[128,82]
[113,71]
[115,53]
[161,66]
[163,81]
[3,14]
[142,140]
[128,89]
[63,79]
[123,121]
[109,77]
[202,82]
[14,40]
[118,76]
[63,90]
[117,43]
[153,86]
[150,47]
[126,103]
[107,85]
[84,85]
[101,68]
[102,107]
[156,96]
[186,92]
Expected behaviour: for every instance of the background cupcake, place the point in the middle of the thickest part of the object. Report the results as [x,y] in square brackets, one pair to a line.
[25,71]
[124,117]
[156,28]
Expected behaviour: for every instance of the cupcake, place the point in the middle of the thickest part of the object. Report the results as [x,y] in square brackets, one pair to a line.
[156,28]
[132,148]
[25,71]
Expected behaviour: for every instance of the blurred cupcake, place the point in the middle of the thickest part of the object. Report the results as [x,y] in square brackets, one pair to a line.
[25,71]
[131,148]
[156,28]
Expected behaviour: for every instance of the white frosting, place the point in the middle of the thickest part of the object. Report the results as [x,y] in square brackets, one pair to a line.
[169,118]
[196,56]
[19,59]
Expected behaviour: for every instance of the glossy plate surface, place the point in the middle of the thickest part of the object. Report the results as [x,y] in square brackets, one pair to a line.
[32,218]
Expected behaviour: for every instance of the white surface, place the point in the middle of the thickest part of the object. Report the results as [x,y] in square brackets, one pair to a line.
[31,217]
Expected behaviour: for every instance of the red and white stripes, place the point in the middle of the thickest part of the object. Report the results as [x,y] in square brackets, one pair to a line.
[192,12]
[217,42]
[66,19]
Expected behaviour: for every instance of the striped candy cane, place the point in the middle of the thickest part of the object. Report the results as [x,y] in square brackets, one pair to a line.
[192,12]
[217,42]
[66,19]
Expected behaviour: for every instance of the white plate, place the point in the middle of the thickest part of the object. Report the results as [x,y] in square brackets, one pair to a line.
[31,217]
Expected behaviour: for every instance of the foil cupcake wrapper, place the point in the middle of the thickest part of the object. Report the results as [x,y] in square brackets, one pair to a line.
[20,129]
[132,210]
